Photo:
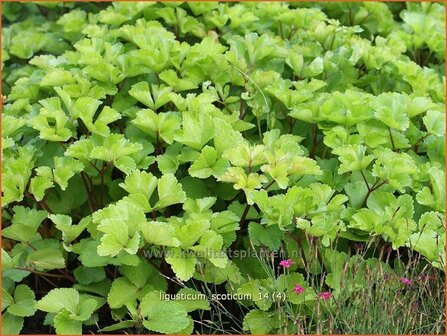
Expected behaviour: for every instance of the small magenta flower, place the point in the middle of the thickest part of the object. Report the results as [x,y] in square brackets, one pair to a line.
[325,295]
[405,281]
[298,289]
[286,263]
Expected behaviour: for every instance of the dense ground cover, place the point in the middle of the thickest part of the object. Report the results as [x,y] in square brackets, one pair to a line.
[289,155]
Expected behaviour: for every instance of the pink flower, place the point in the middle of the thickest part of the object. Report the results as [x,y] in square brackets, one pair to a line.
[406,281]
[325,295]
[298,289]
[286,263]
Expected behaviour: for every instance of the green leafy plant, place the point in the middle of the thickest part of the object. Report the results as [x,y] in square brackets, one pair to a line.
[206,167]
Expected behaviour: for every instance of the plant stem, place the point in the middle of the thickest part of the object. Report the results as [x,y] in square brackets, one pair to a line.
[314,141]
[370,190]
[31,245]
[416,145]
[391,139]
[101,173]
[364,179]
[268,185]
[241,109]
[292,32]
[241,227]
[60,276]
[280,31]
[88,191]
[49,281]
[41,203]
[303,255]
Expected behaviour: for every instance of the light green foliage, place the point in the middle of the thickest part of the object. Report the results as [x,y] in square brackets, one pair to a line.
[119,223]
[352,158]
[158,126]
[51,121]
[141,185]
[163,316]
[21,303]
[154,98]
[208,164]
[188,147]
[197,130]
[69,307]
[24,224]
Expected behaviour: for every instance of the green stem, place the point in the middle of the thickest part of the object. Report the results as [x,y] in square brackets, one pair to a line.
[391,139]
